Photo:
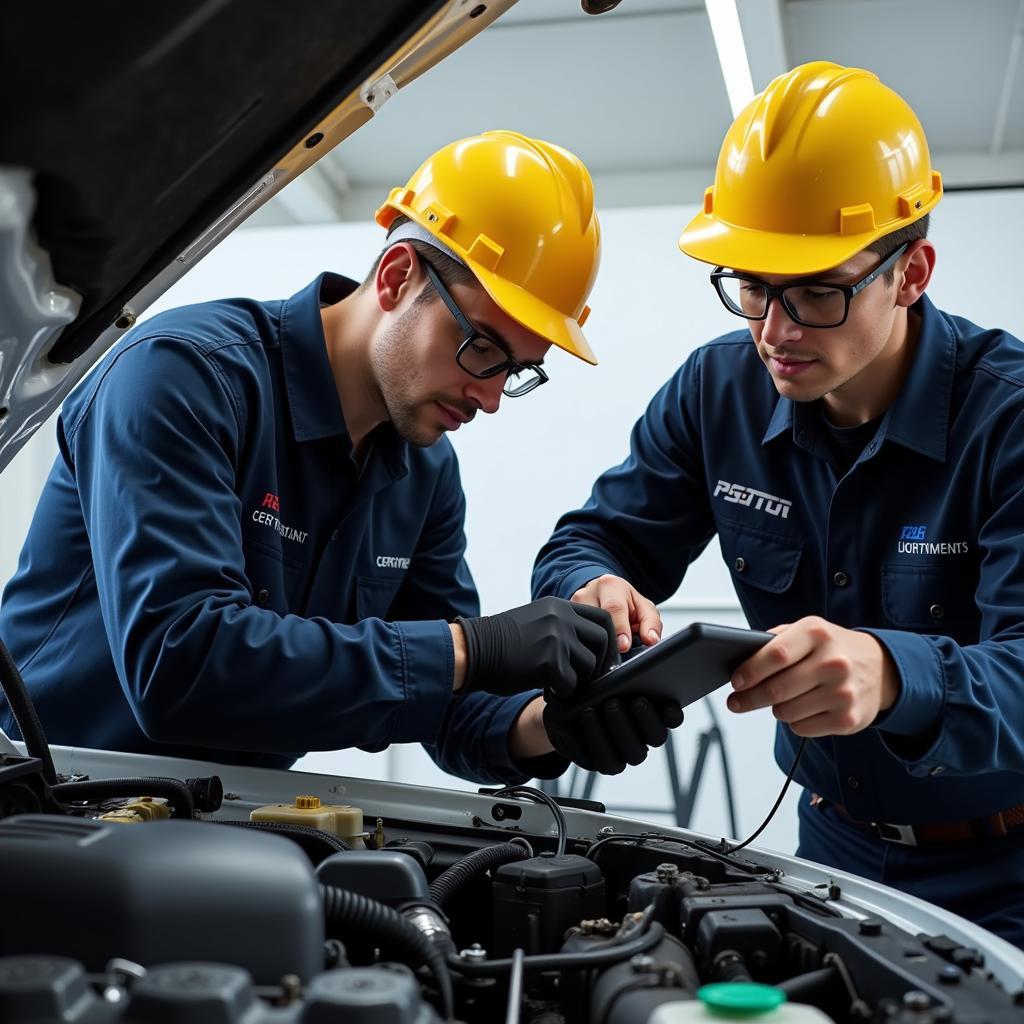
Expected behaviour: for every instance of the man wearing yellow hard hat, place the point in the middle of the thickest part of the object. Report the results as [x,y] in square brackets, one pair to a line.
[261,522]
[860,456]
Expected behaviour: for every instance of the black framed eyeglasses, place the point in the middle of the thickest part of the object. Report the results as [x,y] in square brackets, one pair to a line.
[811,302]
[481,356]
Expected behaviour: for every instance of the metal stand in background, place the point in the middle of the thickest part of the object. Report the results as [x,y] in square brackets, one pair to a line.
[582,784]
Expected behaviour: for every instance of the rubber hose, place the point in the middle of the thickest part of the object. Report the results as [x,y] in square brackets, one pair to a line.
[24,712]
[449,882]
[176,792]
[352,914]
[316,843]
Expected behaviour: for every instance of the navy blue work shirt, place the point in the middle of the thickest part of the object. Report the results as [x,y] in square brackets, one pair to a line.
[920,543]
[210,573]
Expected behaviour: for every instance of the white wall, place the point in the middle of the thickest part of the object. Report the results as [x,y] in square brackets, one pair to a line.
[540,454]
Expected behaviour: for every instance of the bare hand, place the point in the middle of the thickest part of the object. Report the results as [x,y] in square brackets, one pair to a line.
[818,678]
[631,612]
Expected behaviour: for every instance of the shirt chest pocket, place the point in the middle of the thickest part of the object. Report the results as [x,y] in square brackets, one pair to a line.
[927,598]
[763,561]
[374,595]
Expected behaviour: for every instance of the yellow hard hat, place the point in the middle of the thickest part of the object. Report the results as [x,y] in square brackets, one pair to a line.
[520,213]
[821,164]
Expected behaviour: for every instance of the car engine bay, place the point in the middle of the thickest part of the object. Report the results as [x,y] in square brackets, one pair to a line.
[167,899]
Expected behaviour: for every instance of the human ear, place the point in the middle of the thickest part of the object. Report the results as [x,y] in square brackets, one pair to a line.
[398,276]
[918,266]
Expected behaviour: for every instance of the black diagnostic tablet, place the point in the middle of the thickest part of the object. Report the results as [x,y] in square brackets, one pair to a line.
[685,666]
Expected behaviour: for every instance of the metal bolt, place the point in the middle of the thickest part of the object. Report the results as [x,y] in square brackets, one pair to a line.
[643,964]
[950,975]
[291,988]
[916,1000]
[126,318]
[475,954]
[667,873]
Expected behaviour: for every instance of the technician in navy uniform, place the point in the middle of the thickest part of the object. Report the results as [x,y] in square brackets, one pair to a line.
[251,543]
[860,455]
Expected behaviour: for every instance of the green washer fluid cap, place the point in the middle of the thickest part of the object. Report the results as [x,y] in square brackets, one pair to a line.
[740,998]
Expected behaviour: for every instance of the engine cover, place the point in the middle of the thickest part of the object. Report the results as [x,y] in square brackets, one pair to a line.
[157,893]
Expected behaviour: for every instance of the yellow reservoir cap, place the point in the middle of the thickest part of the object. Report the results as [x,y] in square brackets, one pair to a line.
[341,820]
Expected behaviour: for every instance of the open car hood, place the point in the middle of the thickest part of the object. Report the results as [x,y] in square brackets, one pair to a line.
[142,138]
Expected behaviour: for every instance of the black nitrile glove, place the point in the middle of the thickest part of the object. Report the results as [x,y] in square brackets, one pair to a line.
[550,644]
[607,737]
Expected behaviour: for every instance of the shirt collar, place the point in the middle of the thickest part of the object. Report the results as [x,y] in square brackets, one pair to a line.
[919,418]
[308,377]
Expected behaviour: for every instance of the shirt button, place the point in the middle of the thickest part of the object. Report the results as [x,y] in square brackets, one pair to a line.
[853,782]
[740,564]
[936,611]
[935,769]
[840,579]
[263,596]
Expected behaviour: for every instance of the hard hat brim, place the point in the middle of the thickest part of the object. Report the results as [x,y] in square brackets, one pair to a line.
[764,252]
[535,315]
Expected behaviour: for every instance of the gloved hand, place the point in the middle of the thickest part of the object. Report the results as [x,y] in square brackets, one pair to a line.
[607,737]
[548,643]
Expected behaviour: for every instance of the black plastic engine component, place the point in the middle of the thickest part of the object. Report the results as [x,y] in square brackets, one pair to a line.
[354,918]
[451,881]
[630,992]
[665,887]
[54,990]
[385,875]
[394,879]
[538,899]
[207,793]
[383,995]
[159,892]
[23,789]
[747,937]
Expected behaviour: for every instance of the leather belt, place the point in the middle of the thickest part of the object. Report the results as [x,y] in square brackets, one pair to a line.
[994,826]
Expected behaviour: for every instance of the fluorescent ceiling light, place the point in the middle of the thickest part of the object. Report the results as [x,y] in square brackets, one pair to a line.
[732,53]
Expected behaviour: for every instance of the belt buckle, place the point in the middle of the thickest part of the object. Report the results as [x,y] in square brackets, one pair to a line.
[902,834]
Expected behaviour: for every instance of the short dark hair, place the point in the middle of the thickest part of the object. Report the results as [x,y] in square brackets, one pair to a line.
[901,236]
[450,271]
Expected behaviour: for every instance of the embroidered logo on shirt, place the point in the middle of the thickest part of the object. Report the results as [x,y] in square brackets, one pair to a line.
[738,494]
[272,501]
[392,562]
[912,542]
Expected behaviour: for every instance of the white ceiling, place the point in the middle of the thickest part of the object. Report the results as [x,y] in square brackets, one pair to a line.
[638,93]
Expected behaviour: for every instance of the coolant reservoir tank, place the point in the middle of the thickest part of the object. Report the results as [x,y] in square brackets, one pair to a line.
[738,1001]
[341,820]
